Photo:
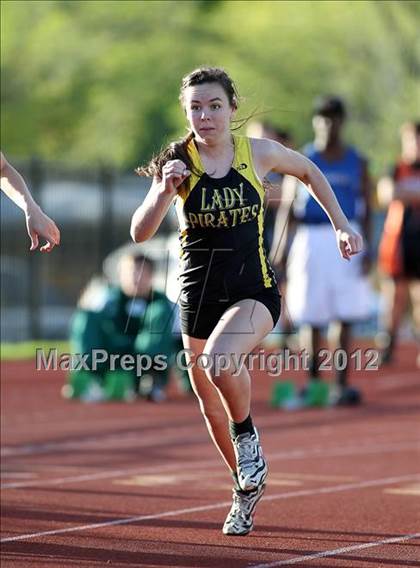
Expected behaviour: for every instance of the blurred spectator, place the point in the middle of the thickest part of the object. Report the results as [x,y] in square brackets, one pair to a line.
[399,249]
[322,289]
[272,185]
[273,181]
[132,319]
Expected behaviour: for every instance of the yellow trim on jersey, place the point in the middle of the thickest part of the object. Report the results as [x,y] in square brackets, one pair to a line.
[179,206]
[244,155]
[182,236]
[193,179]
[263,259]
[187,187]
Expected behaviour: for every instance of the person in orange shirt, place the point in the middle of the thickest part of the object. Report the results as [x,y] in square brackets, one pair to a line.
[399,249]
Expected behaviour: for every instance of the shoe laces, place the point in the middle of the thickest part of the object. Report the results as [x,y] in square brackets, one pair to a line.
[235,509]
[239,500]
[246,452]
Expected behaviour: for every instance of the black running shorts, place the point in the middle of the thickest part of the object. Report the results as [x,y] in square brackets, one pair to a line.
[199,320]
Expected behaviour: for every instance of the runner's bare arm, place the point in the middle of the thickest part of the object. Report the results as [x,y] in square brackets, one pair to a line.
[150,214]
[38,224]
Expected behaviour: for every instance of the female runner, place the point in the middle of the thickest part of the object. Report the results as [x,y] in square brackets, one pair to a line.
[229,298]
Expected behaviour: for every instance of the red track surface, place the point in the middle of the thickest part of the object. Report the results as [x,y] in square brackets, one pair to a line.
[141,485]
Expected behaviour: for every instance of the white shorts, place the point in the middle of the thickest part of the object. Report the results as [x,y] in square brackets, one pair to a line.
[322,286]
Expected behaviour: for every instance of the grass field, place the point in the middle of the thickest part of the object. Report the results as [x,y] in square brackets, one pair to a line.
[26,349]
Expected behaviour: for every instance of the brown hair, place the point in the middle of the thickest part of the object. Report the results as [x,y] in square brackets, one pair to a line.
[178,150]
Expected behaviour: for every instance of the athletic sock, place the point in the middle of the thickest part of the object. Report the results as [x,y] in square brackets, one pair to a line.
[238,428]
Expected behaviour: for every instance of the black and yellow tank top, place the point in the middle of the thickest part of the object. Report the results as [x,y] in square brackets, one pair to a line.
[221,231]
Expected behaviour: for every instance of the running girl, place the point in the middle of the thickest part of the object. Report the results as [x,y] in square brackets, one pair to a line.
[229,300]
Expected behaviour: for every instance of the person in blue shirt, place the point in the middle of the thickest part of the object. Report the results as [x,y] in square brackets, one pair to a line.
[322,290]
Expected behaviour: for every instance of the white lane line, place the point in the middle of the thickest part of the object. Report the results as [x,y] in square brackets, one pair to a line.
[118,438]
[394,381]
[289,495]
[385,382]
[19,423]
[103,475]
[16,474]
[394,384]
[337,551]
[98,443]
[317,452]
[89,442]
[127,438]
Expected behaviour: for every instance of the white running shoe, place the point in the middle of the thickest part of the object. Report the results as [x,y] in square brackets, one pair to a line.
[239,521]
[252,468]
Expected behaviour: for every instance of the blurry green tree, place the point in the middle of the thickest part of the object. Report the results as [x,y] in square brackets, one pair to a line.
[88,81]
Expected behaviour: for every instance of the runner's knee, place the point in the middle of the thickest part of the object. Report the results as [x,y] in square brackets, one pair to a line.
[220,362]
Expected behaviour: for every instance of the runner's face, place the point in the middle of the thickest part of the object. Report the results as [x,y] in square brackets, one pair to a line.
[208,111]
